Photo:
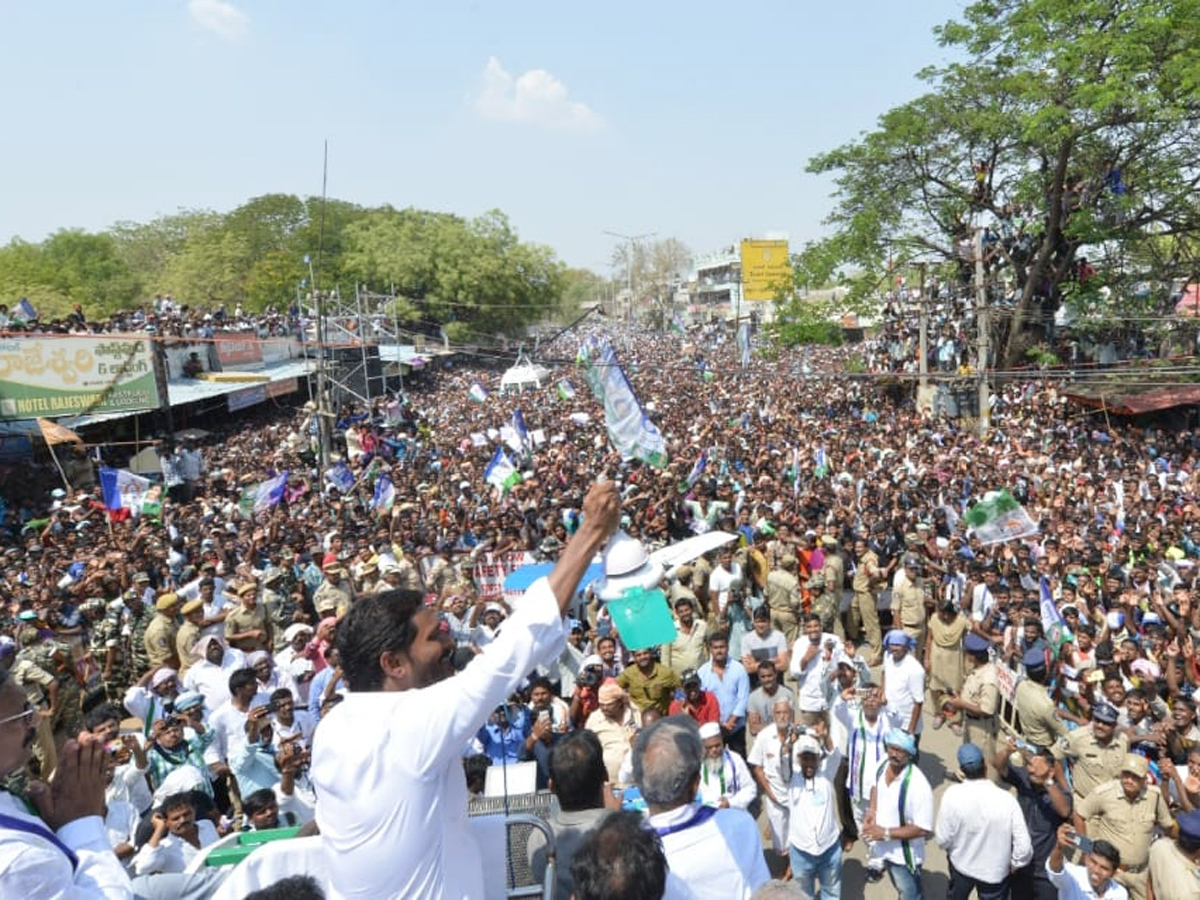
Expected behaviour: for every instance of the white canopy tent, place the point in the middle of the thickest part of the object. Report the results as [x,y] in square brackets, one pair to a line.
[524,374]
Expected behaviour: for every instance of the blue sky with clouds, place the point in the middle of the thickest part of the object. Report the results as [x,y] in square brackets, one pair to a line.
[692,120]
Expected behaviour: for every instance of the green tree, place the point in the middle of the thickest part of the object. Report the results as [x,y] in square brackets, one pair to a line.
[87,269]
[473,274]
[1072,122]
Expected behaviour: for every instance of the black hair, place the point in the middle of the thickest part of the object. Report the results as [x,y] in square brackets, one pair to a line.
[1107,851]
[717,636]
[376,624]
[262,799]
[101,714]
[475,768]
[241,678]
[282,694]
[577,770]
[294,887]
[540,681]
[175,801]
[622,860]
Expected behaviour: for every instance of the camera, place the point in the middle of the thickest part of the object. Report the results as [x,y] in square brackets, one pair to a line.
[589,677]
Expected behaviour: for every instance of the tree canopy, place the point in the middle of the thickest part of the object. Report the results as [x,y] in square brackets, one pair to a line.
[1064,129]
[474,276]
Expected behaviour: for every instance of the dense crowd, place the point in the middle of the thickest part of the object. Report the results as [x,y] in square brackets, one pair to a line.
[854,608]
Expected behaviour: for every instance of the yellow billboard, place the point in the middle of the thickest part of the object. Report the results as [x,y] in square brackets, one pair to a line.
[766,269]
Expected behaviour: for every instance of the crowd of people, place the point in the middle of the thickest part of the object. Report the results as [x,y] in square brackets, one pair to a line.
[185,657]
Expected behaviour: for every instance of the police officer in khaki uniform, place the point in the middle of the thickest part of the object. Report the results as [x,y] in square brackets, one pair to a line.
[908,602]
[1174,871]
[335,592]
[783,598]
[1095,752]
[189,632]
[1040,724]
[248,628]
[980,697]
[159,639]
[868,579]
[1124,812]
[834,572]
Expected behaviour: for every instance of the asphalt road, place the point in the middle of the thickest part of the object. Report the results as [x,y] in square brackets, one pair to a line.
[938,749]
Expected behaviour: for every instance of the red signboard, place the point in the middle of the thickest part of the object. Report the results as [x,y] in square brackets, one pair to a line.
[238,348]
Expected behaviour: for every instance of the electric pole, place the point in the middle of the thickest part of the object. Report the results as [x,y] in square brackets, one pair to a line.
[634,241]
[981,323]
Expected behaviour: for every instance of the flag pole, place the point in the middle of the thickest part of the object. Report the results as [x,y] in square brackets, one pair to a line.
[58,465]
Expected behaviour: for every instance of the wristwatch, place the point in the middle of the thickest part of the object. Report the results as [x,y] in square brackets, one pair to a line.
[887,834]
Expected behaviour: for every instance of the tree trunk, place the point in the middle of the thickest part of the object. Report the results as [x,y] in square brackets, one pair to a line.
[1013,343]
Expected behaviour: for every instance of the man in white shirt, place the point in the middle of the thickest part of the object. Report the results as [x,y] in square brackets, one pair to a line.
[406,720]
[813,659]
[1091,881]
[764,762]
[64,852]
[900,816]
[809,763]
[725,779]
[210,674]
[983,831]
[177,839]
[903,683]
[713,854]
[861,712]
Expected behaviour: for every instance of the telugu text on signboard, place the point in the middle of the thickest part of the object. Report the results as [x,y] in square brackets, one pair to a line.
[72,376]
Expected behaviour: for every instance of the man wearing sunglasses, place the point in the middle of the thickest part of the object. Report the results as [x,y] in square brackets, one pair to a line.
[62,849]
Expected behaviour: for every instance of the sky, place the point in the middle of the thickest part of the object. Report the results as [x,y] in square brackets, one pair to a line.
[689,120]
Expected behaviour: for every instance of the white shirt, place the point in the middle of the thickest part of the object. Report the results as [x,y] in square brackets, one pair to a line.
[211,680]
[731,780]
[865,750]
[173,854]
[765,754]
[229,723]
[380,842]
[720,858]
[812,678]
[813,824]
[918,810]
[121,822]
[129,785]
[982,601]
[903,688]
[1072,883]
[32,866]
[982,830]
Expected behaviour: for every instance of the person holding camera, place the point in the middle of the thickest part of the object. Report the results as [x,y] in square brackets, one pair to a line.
[861,711]
[1093,879]
[808,763]
[764,760]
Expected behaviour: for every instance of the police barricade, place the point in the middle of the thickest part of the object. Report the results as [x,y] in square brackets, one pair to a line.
[1007,680]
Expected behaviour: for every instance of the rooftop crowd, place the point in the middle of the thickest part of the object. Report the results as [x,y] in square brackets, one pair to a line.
[854,610]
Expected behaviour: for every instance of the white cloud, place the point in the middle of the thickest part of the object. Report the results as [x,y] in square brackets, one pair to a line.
[223,19]
[535,97]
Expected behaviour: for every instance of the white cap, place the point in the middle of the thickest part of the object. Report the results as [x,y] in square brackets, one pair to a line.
[709,730]
[806,743]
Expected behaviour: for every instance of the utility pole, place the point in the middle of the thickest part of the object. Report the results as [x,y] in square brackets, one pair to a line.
[923,326]
[634,241]
[982,323]
[323,415]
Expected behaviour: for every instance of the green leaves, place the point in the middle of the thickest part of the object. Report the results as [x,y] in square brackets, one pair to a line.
[1048,96]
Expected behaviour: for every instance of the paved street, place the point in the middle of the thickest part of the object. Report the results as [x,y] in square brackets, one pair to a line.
[937,753]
